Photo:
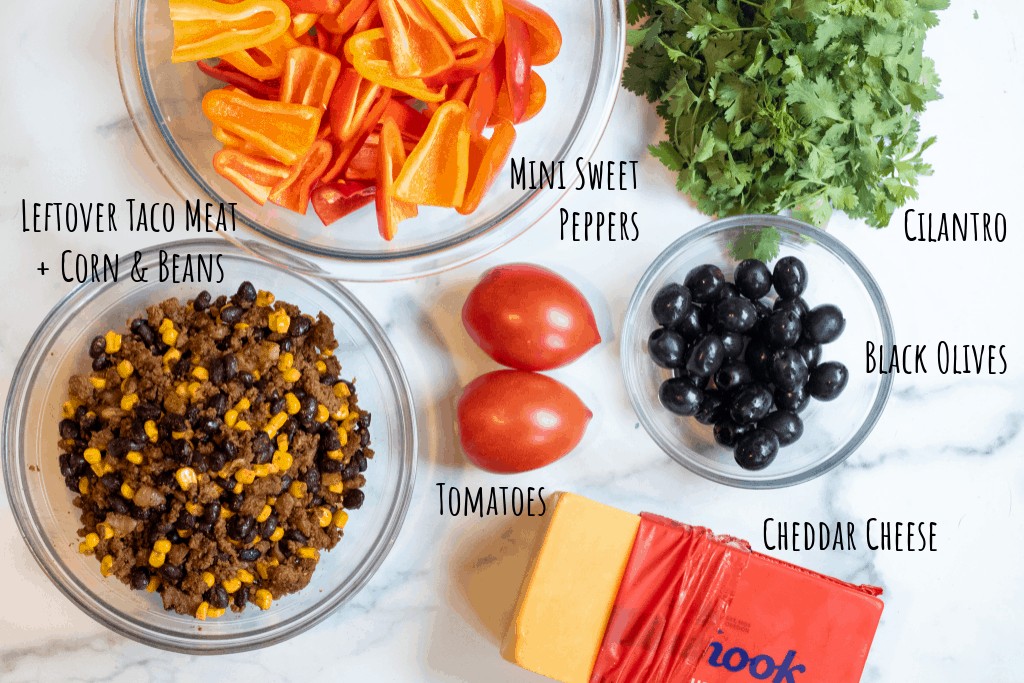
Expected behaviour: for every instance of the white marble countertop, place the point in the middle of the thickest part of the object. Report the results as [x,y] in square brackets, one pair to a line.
[948,449]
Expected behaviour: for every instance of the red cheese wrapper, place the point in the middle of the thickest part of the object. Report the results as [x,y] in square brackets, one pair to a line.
[696,608]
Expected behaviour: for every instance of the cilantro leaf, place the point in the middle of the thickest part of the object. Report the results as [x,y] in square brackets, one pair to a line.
[761,244]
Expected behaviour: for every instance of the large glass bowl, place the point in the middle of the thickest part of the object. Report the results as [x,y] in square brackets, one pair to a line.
[43,506]
[163,100]
[832,430]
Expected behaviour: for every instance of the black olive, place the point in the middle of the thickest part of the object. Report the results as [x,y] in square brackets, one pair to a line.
[706,356]
[713,408]
[680,396]
[789,277]
[786,424]
[727,432]
[757,450]
[705,283]
[670,304]
[828,380]
[733,376]
[810,351]
[763,309]
[795,400]
[728,291]
[753,279]
[750,404]
[788,369]
[690,325]
[733,343]
[796,304]
[824,324]
[667,348]
[759,359]
[735,314]
[782,329]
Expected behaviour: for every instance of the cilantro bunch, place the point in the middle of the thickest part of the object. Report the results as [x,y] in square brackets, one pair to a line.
[775,105]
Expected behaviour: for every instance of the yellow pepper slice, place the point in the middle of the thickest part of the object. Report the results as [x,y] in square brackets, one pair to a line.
[207,28]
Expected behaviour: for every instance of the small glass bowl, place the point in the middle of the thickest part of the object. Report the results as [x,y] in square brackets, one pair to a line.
[49,521]
[163,100]
[832,430]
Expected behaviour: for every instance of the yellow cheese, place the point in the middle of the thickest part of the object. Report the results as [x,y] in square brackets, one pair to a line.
[567,597]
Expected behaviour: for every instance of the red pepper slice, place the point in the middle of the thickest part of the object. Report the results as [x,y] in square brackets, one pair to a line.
[390,161]
[370,19]
[486,159]
[351,101]
[252,175]
[411,122]
[343,21]
[363,165]
[293,192]
[471,58]
[335,201]
[545,38]
[517,65]
[309,76]
[503,107]
[344,151]
[485,94]
[419,47]
[247,84]
[313,6]
[438,167]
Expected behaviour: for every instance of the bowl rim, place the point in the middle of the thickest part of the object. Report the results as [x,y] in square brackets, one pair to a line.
[633,320]
[510,223]
[15,472]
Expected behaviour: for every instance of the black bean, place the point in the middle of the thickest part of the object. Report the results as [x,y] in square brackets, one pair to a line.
[216,460]
[218,597]
[101,362]
[249,554]
[269,526]
[307,408]
[230,366]
[146,334]
[89,421]
[246,379]
[187,521]
[351,471]
[241,596]
[286,346]
[277,406]
[211,512]
[111,481]
[240,526]
[139,578]
[182,451]
[97,347]
[361,461]
[312,479]
[171,573]
[219,403]
[147,411]
[246,292]
[68,429]
[300,326]
[231,448]
[262,449]
[117,504]
[231,314]
[202,301]
[233,501]
[353,499]
[297,536]
[329,465]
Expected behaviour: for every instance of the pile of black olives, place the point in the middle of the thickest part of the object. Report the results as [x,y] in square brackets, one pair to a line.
[741,363]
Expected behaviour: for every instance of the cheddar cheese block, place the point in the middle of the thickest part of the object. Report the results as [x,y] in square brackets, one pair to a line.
[567,597]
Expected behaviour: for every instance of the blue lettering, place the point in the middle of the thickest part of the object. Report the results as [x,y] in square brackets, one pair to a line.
[755,667]
[762,667]
[786,671]
[716,653]
[740,663]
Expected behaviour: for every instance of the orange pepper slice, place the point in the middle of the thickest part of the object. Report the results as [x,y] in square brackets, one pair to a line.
[369,54]
[437,169]
[419,48]
[207,28]
[301,23]
[471,58]
[503,106]
[293,192]
[281,130]
[252,175]
[345,150]
[350,103]
[344,21]
[309,76]
[486,159]
[391,161]
[545,38]
[263,62]
[467,19]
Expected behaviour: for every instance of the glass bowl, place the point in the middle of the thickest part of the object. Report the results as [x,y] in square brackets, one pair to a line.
[49,521]
[163,100]
[833,430]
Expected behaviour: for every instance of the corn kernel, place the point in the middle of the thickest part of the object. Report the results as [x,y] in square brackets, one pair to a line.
[340,414]
[243,404]
[125,369]
[292,404]
[337,488]
[341,390]
[98,383]
[256,375]
[186,478]
[184,533]
[277,535]
[340,519]
[83,486]
[263,598]
[172,356]
[323,516]
[271,500]
[231,585]
[242,426]
[84,548]
[105,531]
[215,612]
[179,435]
[322,413]
[283,460]
[343,437]
[275,423]
[237,488]
[278,321]
[241,326]
[134,457]
[264,470]
[226,514]
[264,514]
[285,361]
[92,455]
[128,401]
[165,324]
[107,565]
[264,298]
[193,509]
[291,375]
[98,469]
[203,611]
[156,559]
[162,546]
[327,353]
[231,417]
[261,569]
[282,442]
[308,552]
[113,340]
[297,489]
[193,389]
[153,584]
[336,454]
[209,579]
[245,476]
[181,389]
[127,491]
[245,576]
[68,408]
[92,540]
[152,432]
[321,367]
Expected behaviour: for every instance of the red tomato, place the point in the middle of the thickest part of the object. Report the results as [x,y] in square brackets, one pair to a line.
[529,318]
[515,421]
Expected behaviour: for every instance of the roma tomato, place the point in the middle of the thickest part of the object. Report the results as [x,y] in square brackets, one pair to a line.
[514,421]
[529,318]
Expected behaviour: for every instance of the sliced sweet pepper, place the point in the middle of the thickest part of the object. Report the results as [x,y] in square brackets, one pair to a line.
[301,23]
[343,21]
[369,53]
[314,6]
[503,106]
[437,169]
[335,201]
[263,62]
[251,86]
[207,28]
[309,76]
[419,47]
[252,175]
[486,159]
[471,58]
[485,94]
[345,150]
[391,161]
[293,192]
[281,130]
[370,19]
[351,101]
[517,65]
[363,165]
[467,19]
[545,38]
[412,123]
